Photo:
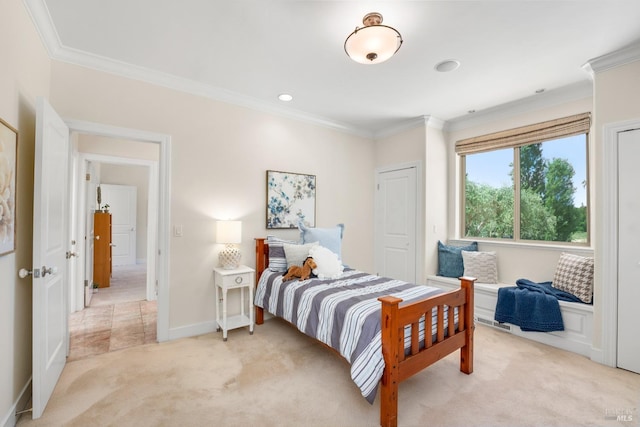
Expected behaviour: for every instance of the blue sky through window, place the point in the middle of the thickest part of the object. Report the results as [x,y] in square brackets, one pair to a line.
[493,168]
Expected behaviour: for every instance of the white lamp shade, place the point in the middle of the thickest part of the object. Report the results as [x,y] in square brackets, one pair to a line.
[229,232]
[373,44]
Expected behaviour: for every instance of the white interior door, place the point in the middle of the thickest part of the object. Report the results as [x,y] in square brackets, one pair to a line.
[628,250]
[122,205]
[50,237]
[395,228]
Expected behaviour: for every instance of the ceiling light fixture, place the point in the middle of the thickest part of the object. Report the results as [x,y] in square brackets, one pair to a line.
[285,97]
[374,43]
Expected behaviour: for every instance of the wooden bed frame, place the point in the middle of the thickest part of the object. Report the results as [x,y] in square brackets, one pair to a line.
[395,316]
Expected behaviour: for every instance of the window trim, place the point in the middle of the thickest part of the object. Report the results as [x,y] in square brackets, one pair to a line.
[515,138]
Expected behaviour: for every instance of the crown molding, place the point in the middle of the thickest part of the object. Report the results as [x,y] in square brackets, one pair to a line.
[541,101]
[39,13]
[426,121]
[613,59]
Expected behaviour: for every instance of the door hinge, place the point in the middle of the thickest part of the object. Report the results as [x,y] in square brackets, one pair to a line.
[87,177]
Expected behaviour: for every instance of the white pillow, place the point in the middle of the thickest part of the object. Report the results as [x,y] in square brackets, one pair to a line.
[481,265]
[296,254]
[329,266]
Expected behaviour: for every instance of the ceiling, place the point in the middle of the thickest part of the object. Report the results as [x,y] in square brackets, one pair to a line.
[249,51]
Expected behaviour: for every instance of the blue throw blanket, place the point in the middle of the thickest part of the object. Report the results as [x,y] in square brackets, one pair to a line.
[532,306]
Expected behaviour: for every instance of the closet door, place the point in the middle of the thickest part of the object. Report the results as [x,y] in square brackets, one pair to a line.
[102,249]
[628,249]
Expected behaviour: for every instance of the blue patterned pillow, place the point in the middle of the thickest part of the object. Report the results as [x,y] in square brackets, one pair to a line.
[330,238]
[450,259]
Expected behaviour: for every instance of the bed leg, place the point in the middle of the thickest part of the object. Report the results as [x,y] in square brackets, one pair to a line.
[390,349]
[259,315]
[466,352]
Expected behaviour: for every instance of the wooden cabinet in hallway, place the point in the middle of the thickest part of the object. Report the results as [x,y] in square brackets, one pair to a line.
[102,249]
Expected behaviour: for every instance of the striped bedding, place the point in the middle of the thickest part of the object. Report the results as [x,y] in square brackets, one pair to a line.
[343,313]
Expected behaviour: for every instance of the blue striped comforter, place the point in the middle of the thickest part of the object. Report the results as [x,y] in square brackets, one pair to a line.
[343,313]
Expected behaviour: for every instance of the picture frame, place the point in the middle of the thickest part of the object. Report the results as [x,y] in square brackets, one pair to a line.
[8,168]
[291,197]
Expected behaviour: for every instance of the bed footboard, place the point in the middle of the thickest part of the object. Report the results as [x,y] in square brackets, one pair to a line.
[449,338]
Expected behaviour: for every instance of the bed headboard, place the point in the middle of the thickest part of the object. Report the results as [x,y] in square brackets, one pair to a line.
[262,256]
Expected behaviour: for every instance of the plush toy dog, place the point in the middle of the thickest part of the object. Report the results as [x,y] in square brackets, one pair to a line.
[303,272]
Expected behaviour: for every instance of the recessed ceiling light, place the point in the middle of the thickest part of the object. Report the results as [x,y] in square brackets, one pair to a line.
[448,65]
[285,97]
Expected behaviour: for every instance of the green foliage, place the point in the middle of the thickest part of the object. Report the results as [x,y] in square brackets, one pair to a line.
[488,211]
[532,168]
[547,212]
[536,221]
[581,218]
[559,197]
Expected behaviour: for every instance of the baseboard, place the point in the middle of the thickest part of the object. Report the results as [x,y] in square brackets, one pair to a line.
[192,330]
[10,419]
[597,355]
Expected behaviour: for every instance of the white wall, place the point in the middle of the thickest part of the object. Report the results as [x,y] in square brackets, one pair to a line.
[220,154]
[24,74]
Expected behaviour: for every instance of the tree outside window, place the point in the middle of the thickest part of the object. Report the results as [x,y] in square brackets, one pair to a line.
[542,185]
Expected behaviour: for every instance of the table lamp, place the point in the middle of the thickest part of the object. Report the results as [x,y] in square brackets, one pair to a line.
[229,233]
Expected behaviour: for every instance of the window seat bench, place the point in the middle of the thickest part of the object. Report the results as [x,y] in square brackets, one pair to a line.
[577,317]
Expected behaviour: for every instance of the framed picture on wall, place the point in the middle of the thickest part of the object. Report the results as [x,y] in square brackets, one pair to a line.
[8,165]
[291,197]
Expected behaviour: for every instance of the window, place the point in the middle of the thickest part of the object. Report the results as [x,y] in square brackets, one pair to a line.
[528,183]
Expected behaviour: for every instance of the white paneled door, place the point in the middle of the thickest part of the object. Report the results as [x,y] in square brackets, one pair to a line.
[50,236]
[395,228]
[628,249]
[122,205]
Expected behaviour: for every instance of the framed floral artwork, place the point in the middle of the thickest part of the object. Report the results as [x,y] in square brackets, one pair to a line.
[8,165]
[291,197]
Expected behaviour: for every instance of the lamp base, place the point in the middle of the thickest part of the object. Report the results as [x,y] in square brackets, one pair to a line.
[229,257]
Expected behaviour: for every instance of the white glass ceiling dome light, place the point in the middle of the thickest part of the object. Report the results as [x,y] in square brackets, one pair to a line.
[374,43]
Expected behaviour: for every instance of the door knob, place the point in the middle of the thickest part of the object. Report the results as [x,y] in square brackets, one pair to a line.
[23,272]
[50,270]
[97,237]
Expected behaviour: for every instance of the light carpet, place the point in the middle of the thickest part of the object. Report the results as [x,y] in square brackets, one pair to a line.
[280,377]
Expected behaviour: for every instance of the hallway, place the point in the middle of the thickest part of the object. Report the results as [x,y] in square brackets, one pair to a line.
[118,317]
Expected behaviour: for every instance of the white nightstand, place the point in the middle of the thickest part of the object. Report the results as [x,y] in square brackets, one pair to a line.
[240,278]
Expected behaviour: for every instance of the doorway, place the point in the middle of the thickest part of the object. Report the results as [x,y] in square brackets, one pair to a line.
[628,253]
[619,254]
[122,313]
[117,148]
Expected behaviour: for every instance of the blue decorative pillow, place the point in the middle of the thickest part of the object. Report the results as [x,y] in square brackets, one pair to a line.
[330,238]
[450,259]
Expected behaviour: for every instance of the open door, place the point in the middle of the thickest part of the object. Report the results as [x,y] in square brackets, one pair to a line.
[50,246]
